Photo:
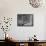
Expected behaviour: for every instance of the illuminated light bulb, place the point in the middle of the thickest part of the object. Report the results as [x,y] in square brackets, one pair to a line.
[7,35]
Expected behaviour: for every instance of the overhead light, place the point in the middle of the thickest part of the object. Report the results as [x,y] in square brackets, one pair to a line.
[36,3]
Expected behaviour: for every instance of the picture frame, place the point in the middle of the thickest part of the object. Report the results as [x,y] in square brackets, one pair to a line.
[24,19]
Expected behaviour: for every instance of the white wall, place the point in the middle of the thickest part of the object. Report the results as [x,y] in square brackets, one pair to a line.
[11,8]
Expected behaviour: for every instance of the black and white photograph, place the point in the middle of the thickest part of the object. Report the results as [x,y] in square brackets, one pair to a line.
[25,20]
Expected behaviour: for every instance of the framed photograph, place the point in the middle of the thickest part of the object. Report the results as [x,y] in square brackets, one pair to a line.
[24,19]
